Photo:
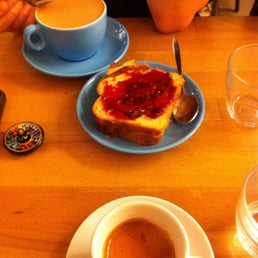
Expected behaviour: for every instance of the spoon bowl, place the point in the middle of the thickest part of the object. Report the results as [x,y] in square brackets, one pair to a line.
[186,108]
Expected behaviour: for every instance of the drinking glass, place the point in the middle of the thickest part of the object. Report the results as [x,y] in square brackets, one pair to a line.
[247,214]
[242,85]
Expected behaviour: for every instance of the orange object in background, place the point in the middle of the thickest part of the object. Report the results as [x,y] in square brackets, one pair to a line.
[176,16]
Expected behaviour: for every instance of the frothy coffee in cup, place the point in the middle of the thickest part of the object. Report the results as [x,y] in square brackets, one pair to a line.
[70,14]
[138,238]
[140,229]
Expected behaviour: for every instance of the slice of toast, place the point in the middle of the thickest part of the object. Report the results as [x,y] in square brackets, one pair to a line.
[136,102]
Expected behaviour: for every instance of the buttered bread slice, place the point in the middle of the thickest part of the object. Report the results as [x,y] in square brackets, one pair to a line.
[136,102]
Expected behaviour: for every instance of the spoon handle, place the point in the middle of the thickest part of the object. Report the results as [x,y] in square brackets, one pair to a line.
[176,50]
[37,2]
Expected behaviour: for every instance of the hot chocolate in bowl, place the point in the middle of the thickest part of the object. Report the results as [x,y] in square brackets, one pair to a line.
[140,229]
[73,30]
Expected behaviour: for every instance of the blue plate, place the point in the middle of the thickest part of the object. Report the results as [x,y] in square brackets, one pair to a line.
[174,135]
[114,47]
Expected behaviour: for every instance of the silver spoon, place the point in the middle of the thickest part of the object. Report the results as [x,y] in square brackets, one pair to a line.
[37,2]
[186,108]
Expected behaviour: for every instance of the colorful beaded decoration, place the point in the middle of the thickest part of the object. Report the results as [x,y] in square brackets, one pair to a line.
[23,137]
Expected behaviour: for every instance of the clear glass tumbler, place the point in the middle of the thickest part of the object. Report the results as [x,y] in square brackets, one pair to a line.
[247,214]
[242,85]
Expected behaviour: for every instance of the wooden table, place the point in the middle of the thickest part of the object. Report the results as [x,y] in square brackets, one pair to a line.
[44,196]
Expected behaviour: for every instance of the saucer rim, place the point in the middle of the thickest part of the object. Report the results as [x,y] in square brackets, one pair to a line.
[36,65]
[76,248]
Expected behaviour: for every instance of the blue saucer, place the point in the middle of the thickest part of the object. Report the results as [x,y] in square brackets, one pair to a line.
[175,134]
[114,47]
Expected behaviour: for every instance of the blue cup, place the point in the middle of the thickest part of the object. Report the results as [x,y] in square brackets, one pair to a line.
[72,44]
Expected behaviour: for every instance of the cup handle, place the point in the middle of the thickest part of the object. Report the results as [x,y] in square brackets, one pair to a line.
[33,38]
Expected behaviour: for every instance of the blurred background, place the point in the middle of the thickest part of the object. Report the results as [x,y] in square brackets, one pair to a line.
[227,7]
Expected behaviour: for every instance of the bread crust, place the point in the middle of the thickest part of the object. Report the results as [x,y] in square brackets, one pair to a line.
[143,130]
